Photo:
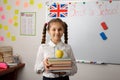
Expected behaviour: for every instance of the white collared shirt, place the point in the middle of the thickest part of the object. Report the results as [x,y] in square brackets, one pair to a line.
[48,51]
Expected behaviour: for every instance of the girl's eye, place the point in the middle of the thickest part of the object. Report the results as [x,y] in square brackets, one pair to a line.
[56,29]
[60,29]
[53,29]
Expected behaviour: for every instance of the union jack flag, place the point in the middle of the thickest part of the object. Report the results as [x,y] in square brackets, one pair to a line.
[58,10]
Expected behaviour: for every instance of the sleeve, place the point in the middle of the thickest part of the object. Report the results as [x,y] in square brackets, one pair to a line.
[74,66]
[39,66]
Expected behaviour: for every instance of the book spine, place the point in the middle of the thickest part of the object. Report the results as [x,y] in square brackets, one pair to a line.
[60,62]
[60,68]
[57,65]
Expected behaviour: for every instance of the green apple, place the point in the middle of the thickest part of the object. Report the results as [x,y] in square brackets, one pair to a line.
[59,54]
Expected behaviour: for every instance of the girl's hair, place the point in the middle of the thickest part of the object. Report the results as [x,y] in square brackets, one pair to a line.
[47,27]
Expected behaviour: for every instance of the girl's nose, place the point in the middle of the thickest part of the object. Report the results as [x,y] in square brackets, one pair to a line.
[56,31]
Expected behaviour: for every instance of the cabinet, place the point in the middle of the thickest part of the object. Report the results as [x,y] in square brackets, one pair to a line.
[11,73]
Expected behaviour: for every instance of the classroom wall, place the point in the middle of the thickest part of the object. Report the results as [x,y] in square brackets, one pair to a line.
[27,46]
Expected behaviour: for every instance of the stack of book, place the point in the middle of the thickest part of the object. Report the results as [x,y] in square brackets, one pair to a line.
[60,64]
[7,54]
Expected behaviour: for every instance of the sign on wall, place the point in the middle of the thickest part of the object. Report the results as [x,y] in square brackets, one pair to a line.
[28,23]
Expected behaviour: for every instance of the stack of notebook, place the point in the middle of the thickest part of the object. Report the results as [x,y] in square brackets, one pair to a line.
[6,53]
[60,64]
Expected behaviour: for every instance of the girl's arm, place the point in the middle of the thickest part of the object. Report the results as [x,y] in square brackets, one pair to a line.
[74,66]
[39,65]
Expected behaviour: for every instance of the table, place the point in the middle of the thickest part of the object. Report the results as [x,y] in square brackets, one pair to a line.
[11,73]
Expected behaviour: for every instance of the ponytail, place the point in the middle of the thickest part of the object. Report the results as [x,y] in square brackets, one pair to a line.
[65,33]
[44,34]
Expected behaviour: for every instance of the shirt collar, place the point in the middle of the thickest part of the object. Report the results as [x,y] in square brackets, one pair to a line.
[53,44]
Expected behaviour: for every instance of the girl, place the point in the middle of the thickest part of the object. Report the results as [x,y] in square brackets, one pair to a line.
[56,28]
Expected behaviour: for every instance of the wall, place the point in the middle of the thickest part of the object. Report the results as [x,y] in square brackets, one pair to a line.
[27,46]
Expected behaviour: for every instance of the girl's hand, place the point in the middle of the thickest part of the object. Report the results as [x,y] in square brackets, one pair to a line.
[46,64]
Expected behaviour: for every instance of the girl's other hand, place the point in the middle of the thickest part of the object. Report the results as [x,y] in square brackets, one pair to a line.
[46,64]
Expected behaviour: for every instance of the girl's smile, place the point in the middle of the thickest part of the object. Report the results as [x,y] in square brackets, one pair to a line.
[56,31]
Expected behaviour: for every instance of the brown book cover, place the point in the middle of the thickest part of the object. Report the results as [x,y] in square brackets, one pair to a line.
[59,59]
[60,68]
[57,65]
[59,62]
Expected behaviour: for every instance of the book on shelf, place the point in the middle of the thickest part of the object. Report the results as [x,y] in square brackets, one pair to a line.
[12,64]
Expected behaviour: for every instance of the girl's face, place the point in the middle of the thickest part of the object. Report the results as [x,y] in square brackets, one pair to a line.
[56,31]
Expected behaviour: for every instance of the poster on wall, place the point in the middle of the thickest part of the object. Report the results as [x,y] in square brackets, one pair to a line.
[27,23]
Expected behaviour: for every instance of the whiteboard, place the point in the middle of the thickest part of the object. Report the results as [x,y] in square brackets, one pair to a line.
[84,21]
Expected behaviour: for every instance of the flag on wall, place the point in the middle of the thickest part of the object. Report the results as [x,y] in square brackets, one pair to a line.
[58,10]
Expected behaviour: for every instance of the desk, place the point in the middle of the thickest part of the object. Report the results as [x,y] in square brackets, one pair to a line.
[11,73]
